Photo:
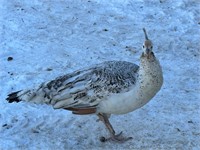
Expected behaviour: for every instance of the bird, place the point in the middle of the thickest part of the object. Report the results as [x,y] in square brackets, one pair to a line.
[105,89]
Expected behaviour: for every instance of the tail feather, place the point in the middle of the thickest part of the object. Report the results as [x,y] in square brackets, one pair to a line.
[13,97]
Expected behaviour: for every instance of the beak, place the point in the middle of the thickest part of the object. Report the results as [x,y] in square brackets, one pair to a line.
[148,51]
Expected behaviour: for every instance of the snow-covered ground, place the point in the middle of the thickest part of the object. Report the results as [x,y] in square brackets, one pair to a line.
[50,38]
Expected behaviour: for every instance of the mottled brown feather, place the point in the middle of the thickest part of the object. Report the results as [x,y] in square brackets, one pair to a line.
[82,111]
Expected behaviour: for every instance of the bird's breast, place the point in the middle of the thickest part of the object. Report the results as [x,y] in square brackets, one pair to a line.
[146,87]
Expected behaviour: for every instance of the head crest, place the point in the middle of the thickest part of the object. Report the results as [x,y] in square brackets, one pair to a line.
[145,33]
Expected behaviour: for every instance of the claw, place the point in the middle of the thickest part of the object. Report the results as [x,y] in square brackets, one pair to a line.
[117,138]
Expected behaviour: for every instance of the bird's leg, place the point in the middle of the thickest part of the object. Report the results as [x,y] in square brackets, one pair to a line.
[114,137]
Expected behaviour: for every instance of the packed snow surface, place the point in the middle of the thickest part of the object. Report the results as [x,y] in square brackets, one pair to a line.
[43,39]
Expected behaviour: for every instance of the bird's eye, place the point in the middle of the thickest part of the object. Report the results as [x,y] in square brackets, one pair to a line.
[143,46]
[151,47]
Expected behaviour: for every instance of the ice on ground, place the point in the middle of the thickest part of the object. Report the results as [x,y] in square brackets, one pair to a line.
[51,38]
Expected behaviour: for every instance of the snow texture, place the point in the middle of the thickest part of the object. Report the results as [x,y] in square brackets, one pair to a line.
[42,39]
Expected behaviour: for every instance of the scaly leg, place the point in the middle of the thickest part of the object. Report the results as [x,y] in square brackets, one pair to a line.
[114,137]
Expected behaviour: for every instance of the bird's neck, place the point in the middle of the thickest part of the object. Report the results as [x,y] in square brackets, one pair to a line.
[150,74]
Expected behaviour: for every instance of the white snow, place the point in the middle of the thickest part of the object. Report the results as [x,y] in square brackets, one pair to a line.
[51,38]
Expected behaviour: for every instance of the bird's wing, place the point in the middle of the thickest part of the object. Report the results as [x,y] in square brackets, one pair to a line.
[84,89]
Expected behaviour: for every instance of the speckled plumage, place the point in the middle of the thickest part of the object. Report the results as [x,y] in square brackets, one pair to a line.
[112,87]
[84,88]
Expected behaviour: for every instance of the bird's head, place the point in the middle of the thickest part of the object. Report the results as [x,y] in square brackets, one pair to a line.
[147,46]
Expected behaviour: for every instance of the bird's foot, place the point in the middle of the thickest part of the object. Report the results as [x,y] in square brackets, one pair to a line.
[116,137]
